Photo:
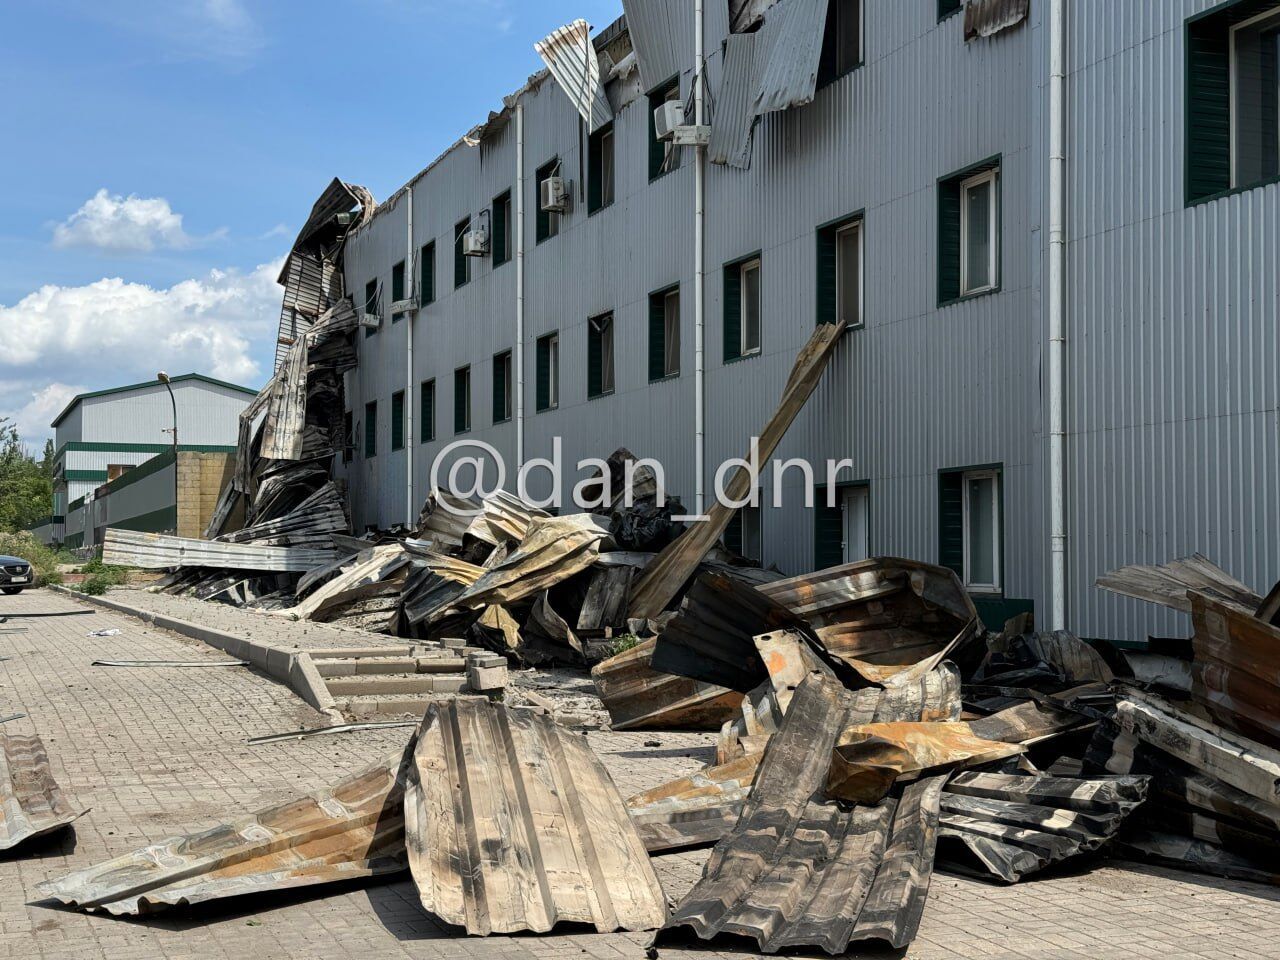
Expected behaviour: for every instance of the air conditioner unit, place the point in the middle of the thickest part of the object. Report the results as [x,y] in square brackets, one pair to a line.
[406,305]
[554,195]
[666,117]
[475,242]
[372,320]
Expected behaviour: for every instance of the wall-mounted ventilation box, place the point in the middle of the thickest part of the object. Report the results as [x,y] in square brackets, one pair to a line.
[554,195]
[475,242]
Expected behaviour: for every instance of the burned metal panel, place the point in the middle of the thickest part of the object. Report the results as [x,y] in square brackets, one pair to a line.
[512,823]
[367,569]
[694,810]
[790,76]
[31,802]
[1010,826]
[654,26]
[157,551]
[354,829]
[1027,722]
[1170,583]
[986,18]
[639,697]
[800,871]
[733,117]
[1236,668]
[571,57]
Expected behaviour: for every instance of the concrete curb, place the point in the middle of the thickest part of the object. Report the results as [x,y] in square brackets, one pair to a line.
[293,668]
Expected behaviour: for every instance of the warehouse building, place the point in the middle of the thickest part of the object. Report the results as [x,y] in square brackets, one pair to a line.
[1051,227]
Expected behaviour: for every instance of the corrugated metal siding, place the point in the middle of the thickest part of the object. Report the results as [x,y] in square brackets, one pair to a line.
[1172,337]
[207,414]
[658,28]
[794,32]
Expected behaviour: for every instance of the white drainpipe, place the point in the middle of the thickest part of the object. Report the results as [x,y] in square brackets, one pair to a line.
[411,288]
[519,371]
[699,279]
[1057,317]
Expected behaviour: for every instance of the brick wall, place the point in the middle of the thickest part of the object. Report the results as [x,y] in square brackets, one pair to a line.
[201,478]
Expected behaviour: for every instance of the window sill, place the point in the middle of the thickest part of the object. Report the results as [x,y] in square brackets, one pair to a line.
[554,406]
[598,396]
[459,286]
[665,378]
[459,433]
[604,206]
[986,593]
[1231,192]
[503,420]
[950,13]
[426,440]
[823,84]
[741,357]
[500,263]
[399,449]
[969,296]
[654,178]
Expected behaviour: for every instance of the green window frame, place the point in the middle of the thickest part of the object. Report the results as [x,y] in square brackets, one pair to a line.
[954,530]
[371,304]
[547,373]
[502,387]
[664,333]
[600,169]
[600,358]
[842,39]
[664,156]
[397,420]
[950,231]
[371,429]
[831,258]
[947,8]
[427,411]
[462,399]
[502,228]
[546,224]
[733,307]
[427,274]
[461,262]
[397,288]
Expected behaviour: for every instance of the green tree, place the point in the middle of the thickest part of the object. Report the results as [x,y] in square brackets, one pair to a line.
[46,461]
[26,493]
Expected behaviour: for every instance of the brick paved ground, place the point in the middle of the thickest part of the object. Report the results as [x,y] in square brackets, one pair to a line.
[156,752]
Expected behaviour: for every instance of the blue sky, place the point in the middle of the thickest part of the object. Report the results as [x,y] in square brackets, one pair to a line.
[159,158]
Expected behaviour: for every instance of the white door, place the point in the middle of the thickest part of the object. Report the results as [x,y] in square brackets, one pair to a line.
[853,506]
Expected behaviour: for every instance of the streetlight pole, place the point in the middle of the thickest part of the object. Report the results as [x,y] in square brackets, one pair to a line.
[164,378]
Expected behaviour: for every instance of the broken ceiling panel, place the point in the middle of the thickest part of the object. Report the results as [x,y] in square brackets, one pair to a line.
[513,824]
[571,57]
[355,829]
[986,18]
[790,76]
[640,698]
[654,26]
[31,802]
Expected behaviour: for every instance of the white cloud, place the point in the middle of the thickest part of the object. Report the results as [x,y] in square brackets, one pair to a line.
[115,224]
[111,332]
[45,403]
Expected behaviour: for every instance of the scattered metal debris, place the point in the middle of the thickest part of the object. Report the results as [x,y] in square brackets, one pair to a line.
[169,663]
[336,728]
[31,803]
[158,551]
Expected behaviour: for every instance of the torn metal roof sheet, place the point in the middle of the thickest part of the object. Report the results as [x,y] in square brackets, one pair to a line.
[571,57]
[694,810]
[654,26]
[1009,826]
[354,829]
[790,76]
[31,802]
[1169,583]
[985,18]
[733,114]
[744,14]
[799,870]
[640,698]
[513,824]
[158,551]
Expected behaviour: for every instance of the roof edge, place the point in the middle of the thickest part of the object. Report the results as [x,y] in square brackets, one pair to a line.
[78,398]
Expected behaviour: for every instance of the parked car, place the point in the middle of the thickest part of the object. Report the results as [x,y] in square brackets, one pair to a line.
[15,575]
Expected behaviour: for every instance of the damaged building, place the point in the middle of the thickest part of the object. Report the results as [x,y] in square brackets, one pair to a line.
[891,165]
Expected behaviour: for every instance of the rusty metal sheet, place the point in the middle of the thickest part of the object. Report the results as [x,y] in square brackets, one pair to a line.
[640,698]
[986,18]
[694,810]
[354,829]
[1028,722]
[502,517]
[1009,826]
[1236,669]
[512,823]
[31,802]
[869,758]
[1027,658]
[885,614]
[676,563]
[1168,583]
[799,870]
[571,57]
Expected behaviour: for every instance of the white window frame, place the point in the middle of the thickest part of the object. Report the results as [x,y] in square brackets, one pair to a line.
[991,176]
[855,493]
[671,323]
[755,264]
[854,227]
[553,371]
[607,144]
[966,478]
[602,323]
[1233,124]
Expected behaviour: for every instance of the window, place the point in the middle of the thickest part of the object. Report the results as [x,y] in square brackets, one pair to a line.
[397,287]
[742,308]
[664,334]
[839,294]
[742,536]
[947,7]
[600,355]
[502,229]
[547,223]
[348,438]
[371,304]
[461,262]
[841,41]
[371,428]
[548,372]
[969,232]
[971,527]
[427,411]
[462,400]
[117,470]
[397,420]
[502,387]
[427,274]
[600,169]
[664,156]
[841,532]
[1233,99]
